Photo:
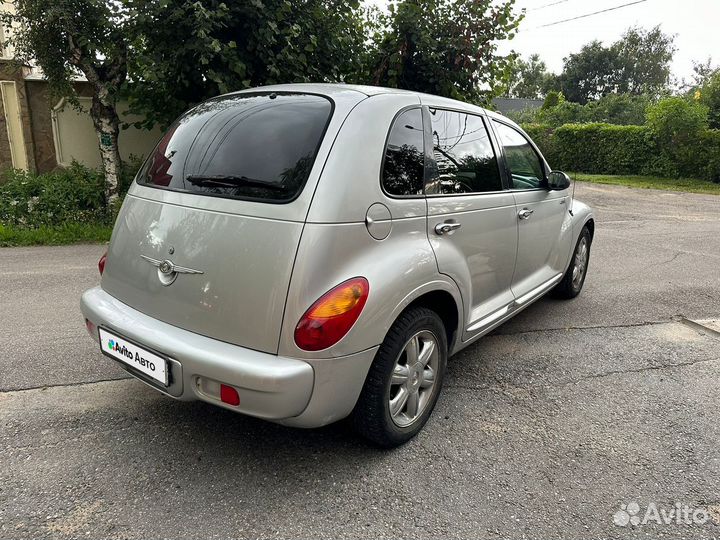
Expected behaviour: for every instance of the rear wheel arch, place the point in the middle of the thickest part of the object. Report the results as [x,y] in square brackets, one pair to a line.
[443,303]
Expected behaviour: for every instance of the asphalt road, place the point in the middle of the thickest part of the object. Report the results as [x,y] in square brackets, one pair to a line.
[544,429]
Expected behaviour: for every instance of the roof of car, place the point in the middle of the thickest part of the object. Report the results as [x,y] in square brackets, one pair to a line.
[330,89]
[334,88]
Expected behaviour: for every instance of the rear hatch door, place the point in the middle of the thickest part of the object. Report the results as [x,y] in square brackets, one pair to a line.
[207,236]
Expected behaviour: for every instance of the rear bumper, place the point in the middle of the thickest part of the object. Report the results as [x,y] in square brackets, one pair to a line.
[303,393]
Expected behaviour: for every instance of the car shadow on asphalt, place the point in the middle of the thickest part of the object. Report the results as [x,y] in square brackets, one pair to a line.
[215,427]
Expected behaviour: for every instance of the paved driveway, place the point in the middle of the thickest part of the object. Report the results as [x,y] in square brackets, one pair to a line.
[545,428]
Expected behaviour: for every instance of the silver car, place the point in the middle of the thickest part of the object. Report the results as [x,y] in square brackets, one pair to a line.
[306,252]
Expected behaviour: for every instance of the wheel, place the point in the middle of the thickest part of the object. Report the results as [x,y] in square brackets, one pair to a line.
[405,379]
[574,278]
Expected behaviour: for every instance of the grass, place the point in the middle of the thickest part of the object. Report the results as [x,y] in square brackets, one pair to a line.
[73,233]
[689,185]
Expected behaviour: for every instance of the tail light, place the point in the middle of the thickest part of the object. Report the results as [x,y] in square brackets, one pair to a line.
[331,317]
[101,263]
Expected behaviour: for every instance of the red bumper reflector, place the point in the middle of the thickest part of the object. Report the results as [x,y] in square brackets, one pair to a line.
[91,328]
[229,395]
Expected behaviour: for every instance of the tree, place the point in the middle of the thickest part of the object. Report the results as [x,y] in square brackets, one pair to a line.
[527,79]
[638,63]
[705,89]
[68,37]
[589,74]
[709,95]
[702,71]
[444,47]
[192,50]
[643,58]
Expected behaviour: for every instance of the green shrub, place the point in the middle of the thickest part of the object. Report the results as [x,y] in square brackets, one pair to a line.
[523,116]
[553,99]
[565,112]
[627,150]
[621,109]
[676,120]
[709,95]
[677,124]
[72,195]
[602,148]
[709,158]
[542,135]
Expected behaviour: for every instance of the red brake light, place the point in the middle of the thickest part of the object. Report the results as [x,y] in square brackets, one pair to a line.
[101,263]
[331,317]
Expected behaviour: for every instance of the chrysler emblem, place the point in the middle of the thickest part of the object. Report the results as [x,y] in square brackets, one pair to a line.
[168,270]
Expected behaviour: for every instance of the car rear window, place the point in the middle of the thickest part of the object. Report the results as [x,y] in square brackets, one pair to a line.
[404,167]
[245,146]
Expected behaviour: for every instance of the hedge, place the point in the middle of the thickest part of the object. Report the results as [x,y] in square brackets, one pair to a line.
[55,199]
[613,149]
[72,195]
[710,154]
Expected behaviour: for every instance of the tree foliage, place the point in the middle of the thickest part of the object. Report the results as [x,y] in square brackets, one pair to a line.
[526,79]
[589,74]
[638,63]
[444,47]
[618,109]
[644,58]
[708,94]
[189,50]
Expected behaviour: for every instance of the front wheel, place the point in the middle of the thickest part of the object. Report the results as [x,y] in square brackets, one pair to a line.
[574,278]
[405,379]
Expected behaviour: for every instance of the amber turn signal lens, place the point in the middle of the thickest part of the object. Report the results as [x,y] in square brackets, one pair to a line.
[331,317]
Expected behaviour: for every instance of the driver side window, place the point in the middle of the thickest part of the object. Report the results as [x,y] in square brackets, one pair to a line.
[526,169]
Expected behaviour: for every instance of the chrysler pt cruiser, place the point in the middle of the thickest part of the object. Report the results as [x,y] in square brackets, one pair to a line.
[304,253]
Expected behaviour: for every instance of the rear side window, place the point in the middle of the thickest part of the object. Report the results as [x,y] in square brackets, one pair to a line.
[403,172]
[464,154]
[526,169]
[246,146]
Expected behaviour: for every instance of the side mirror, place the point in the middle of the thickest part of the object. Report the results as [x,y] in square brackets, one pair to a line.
[558,180]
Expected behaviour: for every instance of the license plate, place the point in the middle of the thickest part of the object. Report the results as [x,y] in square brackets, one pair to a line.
[146,362]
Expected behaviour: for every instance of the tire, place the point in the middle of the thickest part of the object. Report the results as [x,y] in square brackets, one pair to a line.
[372,415]
[570,286]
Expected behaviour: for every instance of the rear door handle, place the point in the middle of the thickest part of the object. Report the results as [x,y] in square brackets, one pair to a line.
[525,213]
[447,228]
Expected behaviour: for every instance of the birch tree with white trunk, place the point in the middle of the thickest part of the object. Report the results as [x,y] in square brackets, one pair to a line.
[66,38]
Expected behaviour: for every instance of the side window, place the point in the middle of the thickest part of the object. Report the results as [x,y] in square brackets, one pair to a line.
[403,172]
[526,169]
[466,161]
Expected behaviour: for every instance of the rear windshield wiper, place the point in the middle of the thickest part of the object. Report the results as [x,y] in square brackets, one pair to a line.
[230,181]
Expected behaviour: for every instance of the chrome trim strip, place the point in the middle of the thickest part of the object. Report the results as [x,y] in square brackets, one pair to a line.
[537,290]
[488,320]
